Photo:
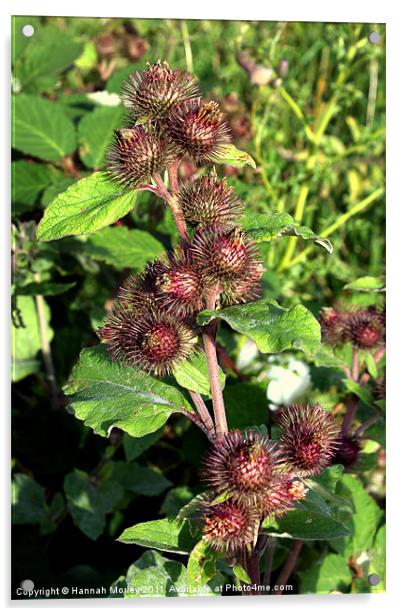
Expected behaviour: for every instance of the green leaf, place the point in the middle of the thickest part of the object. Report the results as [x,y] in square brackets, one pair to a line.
[168,535]
[89,503]
[28,181]
[106,394]
[241,574]
[95,133]
[44,288]
[265,228]
[230,155]
[50,51]
[140,479]
[363,523]
[153,575]
[366,283]
[175,500]
[60,185]
[86,206]
[25,339]
[201,565]
[272,328]
[307,525]
[361,392]
[28,504]
[122,247]
[41,128]
[192,374]
[134,447]
[329,574]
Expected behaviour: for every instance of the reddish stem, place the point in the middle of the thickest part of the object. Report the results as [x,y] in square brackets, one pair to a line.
[355,366]
[209,338]
[171,200]
[351,408]
[173,176]
[288,567]
[203,412]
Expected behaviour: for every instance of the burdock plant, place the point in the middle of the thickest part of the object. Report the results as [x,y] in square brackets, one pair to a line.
[153,323]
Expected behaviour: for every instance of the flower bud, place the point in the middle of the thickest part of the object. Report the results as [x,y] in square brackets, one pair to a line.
[136,155]
[154,92]
[154,342]
[208,201]
[348,451]
[242,465]
[178,285]
[332,326]
[228,526]
[364,329]
[309,439]
[225,258]
[198,129]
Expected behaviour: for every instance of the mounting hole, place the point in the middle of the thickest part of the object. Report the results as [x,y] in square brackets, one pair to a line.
[28,30]
[374,38]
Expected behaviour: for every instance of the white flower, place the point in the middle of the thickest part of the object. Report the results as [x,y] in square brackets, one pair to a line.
[287,383]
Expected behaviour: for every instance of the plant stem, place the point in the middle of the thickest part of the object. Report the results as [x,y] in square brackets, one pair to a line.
[45,346]
[288,567]
[367,424]
[197,421]
[174,206]
[355,366]
[209,339]
[173,176]
[203,412]
[268,563]
[351,408]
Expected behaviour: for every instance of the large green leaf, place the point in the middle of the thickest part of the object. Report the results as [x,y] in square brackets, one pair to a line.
[168,535]
[123,247]
[139,479]
[193,374]
[49,51]
[364,522]
[95,133]
[134,447]
[89,503]
[29,180]
[86,206]
[25,339]
[41,128]
[308,525]
[201,566]
[366,283]
[153,575]
[106,394]
[27,501]
[272,328]
[329,574]
[265,228]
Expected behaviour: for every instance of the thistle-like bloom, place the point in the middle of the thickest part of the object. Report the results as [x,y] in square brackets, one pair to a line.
[154,342]
[138,293]
[154,92]
[228,526]
[332,326]
[296,489]
[198,129]
[309,439]
[348,451]
[208,201]
[246,287]
[136,155]
[279,497]
[178,285]
[364,329]
[227,259]
[241,465]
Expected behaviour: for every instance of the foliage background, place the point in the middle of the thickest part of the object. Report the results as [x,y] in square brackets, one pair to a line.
[75,491]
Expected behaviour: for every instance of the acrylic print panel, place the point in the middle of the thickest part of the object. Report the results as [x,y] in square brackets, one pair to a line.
[198,308]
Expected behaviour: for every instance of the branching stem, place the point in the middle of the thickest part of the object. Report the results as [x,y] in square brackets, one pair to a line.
[203,412]
[288,567]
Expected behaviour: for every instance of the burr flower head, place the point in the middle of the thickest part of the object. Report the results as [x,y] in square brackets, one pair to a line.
[332,326]
[348,451]
[296,489]
[154,342]
[199,129]
[138,292]
[277,499]
[208,201]
[154,92]
[179,285]
[364,329]
[136,155]
[309,439]
[246,287]
[241,465]
[228,526]
[224,257]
